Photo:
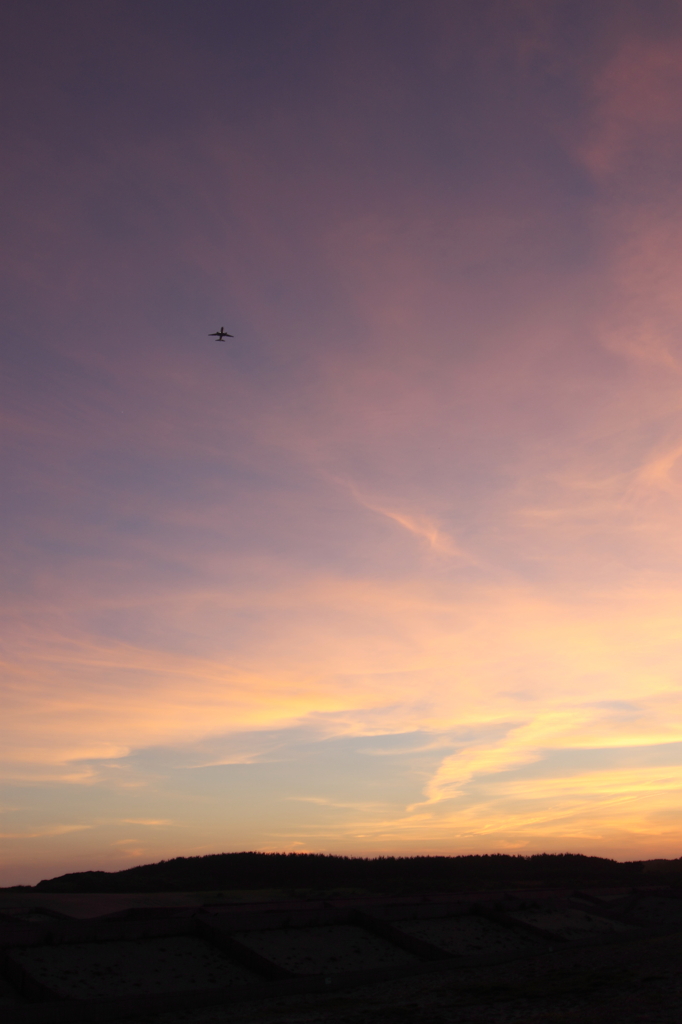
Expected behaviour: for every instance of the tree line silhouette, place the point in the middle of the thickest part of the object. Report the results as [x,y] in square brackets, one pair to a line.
[311,871]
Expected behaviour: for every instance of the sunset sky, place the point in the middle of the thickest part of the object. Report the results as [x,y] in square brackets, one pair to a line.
[398,569]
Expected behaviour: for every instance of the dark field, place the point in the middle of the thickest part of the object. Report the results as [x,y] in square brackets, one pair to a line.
[634,983]
[527,957]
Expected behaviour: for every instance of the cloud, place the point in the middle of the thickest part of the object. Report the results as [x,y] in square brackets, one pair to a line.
[594,786]
[637,103]
[423,527]
[418,524]
[45,831]
[363,805]
[148,821]
[370,657]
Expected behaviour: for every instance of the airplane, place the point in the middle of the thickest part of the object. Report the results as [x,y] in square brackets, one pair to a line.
[221,334]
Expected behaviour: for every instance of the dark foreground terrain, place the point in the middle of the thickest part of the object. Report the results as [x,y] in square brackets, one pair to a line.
[637,983]
[533,957]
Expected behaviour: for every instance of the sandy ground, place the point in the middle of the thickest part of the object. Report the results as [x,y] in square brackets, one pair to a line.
[658,910]
[325,949]
[97,904]
[469,935]
[570,924]
[627,983]
[636,981]
[6,991]
[85,970]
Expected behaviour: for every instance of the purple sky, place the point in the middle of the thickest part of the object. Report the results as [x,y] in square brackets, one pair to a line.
[398,569]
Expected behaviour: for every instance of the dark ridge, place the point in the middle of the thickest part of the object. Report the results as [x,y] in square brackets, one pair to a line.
[380,874]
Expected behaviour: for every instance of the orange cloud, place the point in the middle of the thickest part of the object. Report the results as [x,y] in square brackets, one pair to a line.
[637,103]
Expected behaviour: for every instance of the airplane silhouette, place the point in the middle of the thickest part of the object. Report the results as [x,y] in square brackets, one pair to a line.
[221,334]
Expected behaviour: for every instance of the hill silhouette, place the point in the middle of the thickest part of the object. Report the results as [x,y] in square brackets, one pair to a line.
[250,870]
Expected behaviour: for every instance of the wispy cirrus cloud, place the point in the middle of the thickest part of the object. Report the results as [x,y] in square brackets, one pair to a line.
[148,821]
[45,832]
